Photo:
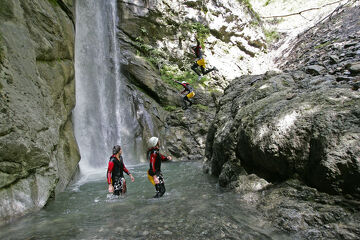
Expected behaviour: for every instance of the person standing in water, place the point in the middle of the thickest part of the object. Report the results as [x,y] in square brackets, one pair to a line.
[115,172]
[154,173]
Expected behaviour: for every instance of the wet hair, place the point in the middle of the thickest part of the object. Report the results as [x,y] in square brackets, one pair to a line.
[116,149]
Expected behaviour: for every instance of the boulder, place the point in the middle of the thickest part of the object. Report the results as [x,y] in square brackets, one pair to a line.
[313,136]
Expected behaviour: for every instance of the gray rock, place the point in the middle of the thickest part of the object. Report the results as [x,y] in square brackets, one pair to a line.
[38,151]
[334,59]
[354,68]
[313,136]
[315,70]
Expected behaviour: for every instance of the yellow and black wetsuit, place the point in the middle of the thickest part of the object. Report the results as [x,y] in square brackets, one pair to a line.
[190,93]
[200,61]
[155,159]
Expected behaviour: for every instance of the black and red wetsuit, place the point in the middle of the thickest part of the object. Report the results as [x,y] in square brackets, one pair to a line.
[199,55]
[197,50]
[115,174]
[155,159]
[188,89]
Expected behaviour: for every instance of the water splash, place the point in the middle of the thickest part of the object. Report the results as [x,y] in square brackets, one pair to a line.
[101,115]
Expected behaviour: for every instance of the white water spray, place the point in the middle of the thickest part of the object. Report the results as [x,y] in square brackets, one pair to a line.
[100,114]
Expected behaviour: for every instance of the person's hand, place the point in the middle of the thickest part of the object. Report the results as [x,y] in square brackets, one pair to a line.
[111,188]
[156,180]
[169,158]
[132,178]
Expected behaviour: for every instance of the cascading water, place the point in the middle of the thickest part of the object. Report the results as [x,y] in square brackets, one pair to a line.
[100,121]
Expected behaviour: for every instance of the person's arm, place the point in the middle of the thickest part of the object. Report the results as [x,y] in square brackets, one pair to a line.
[110,168]
[128,173]
[164,158]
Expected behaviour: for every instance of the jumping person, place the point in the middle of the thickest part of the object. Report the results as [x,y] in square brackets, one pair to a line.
[115,175]
[154,173]
[189,93]
[200,61]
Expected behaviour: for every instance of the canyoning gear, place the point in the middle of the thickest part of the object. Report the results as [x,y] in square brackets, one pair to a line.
[153,142]
[155,159]
[190,93]
[201,62]
[160,188]
[197,49]
[119,186]
[203,71]
[115,174]
[151,178]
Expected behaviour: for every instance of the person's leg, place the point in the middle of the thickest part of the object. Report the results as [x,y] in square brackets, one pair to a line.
[194,68]
[157,189]
[162,189]
[190,102]
[161,186]
[117,187]
[184,100]
[123,186]
[207,71]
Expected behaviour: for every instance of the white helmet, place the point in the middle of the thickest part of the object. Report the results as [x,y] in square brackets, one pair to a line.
[183,82]
[153,141]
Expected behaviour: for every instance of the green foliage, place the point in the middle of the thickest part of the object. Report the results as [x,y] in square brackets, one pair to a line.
[152,55]
[171,73]
[267,2]
[202,31]
[143,30]
[254,23]
[53,2]
[271,35]
[170,108]
[201,107]
[250,9]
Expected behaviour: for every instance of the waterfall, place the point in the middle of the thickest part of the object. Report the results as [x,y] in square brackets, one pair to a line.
[102,106]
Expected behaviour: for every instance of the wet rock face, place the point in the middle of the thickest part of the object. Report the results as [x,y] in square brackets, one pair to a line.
[163,32]
[287,125]
[155,34]
[38,152]
[306,212]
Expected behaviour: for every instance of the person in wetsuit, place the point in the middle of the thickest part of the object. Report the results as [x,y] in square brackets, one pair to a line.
[200,61]
[189,93]
[154,173]
[115,172]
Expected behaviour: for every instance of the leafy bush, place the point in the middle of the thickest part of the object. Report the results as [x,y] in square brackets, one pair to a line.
[201,107]
[170,108]
[202,31]
[271,35]
[171,73]
[250,9]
